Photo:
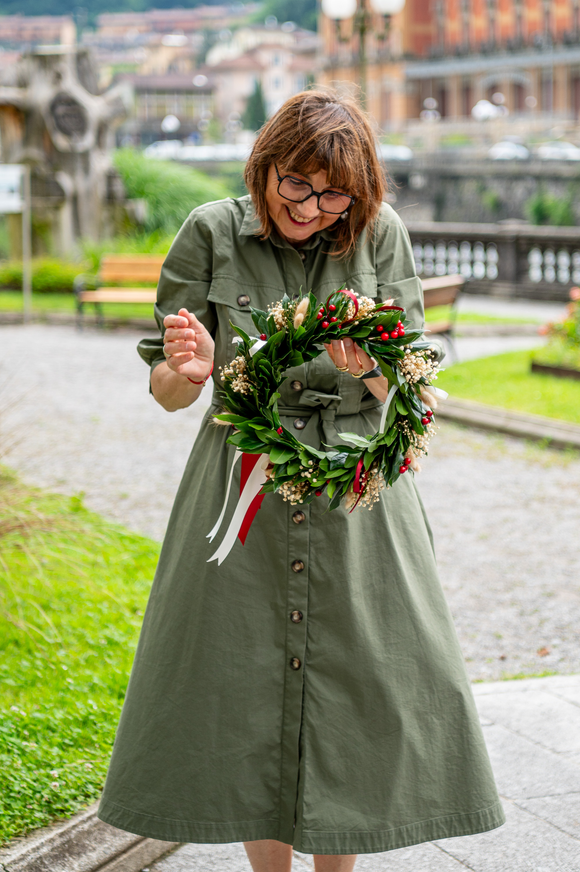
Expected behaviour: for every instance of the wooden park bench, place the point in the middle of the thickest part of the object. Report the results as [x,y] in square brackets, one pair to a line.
[443,291]
[125,268]
[438,291]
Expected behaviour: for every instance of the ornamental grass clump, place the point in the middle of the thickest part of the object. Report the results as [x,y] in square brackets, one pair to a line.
[563,347]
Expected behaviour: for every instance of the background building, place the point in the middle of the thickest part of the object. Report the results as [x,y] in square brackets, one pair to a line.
[458,52]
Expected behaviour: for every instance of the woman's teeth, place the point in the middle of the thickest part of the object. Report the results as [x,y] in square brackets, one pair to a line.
[299,218]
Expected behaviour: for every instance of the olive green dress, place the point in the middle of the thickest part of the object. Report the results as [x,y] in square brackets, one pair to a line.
[310,689]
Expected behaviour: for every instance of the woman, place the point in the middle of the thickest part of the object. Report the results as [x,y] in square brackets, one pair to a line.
[309,691]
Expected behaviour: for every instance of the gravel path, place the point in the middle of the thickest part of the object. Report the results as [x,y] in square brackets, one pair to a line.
[505,514]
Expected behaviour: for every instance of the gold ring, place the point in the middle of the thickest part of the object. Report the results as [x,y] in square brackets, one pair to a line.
[342,368]
[358,374]
[167,356]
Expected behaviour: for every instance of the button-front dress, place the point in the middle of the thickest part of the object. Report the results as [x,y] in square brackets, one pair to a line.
[311,688]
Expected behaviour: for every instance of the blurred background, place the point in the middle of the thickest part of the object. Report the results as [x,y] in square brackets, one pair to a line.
[116,120]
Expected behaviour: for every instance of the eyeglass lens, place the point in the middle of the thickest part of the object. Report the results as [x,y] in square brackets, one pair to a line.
[297,192]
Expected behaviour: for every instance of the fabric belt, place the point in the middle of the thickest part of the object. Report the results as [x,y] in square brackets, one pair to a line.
[319,411]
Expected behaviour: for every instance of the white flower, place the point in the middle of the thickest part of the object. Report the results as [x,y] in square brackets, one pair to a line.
[301,311]
[54,773]
[55,785]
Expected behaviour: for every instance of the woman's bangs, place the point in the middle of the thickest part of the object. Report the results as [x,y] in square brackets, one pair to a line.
[341,167]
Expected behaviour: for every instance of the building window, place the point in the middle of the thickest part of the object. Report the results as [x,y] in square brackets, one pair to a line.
[466,99]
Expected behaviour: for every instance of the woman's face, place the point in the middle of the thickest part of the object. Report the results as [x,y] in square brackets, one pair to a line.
[296,222]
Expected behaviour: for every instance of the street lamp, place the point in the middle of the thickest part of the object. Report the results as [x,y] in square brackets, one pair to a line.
[359,11]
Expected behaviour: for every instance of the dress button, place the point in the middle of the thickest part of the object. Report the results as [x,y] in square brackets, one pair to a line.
[296,616]
[243,300]
[296,385]
[298,517]
[299,424]
[297,566]
[302,256]
[295,663]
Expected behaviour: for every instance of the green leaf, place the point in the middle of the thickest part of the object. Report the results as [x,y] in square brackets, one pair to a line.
[401,407]
[281,455]
[359,441]
[335,501]
[338,460]
[275,396]
[241,333]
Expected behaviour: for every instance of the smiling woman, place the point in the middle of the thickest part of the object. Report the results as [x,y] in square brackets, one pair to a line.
[308,691]
[335,151]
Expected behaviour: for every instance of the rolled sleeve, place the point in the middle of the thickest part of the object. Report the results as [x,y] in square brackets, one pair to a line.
[184,283]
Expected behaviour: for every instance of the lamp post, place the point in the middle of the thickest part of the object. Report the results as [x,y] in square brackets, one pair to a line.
[361,13]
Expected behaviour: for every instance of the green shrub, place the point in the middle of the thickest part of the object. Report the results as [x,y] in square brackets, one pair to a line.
[544,208]
[48,275]
[170,190]
[140,242]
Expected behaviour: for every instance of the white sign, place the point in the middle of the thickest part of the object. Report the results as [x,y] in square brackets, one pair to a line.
[11,195]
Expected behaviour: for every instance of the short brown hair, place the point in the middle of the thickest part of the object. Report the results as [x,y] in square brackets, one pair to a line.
[314,130]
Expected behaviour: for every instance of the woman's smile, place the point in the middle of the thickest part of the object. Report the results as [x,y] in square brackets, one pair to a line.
[298,219]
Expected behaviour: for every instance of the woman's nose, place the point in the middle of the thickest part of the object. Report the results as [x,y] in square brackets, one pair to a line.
[309,208]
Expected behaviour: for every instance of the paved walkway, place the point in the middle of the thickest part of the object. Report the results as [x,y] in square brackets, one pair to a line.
[505,514]
[532,731]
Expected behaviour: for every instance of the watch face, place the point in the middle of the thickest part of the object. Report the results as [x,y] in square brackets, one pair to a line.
[69,116]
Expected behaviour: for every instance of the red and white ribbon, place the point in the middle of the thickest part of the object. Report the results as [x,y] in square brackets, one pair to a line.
[253,476]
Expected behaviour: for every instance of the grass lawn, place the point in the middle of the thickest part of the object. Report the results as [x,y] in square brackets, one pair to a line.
[11,301]
[442,313]
[73,588]
[505,380]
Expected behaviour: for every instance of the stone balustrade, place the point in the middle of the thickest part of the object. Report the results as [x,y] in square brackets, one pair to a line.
[508,259]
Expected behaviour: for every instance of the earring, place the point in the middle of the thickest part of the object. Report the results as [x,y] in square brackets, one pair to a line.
[344,215]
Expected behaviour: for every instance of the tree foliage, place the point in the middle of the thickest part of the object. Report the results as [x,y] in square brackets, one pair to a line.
[255,112]
[171,191]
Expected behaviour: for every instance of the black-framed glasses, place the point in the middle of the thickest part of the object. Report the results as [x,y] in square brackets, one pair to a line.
[298,191]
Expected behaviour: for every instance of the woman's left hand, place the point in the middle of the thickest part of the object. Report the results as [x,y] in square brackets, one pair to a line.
[346,353]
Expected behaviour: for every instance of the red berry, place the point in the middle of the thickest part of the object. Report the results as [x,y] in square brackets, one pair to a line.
[429,413]
[402,469]
[407,461]
[424,420]
[394,334]
[332,307]
[320,315]
[380,328]
[263,336]
[334,318]
[385,337]
[279,431]
[325,324]
[401,332]
[399,325]
[318,493]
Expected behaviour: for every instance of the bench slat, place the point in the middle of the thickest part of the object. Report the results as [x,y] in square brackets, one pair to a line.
[118,295]
[135,268]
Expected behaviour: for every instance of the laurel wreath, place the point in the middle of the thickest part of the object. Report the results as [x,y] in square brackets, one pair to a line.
[293,332]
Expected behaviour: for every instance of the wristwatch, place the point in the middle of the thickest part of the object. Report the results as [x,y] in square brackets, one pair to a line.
[372,373]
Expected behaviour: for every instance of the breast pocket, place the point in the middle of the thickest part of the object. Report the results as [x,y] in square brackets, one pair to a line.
[233,301]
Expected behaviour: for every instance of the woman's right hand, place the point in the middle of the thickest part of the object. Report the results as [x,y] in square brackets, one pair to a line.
[188,347]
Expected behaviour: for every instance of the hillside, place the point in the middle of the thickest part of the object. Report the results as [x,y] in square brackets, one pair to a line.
[303,12]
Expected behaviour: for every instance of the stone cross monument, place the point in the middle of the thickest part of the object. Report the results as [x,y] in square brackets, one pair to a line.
[53,118]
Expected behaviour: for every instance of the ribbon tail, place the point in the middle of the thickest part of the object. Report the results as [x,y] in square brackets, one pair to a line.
[251,490]
[438,392]
[214,531]
[391,394]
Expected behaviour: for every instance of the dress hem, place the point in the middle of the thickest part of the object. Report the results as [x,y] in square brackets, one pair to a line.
[308,841]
